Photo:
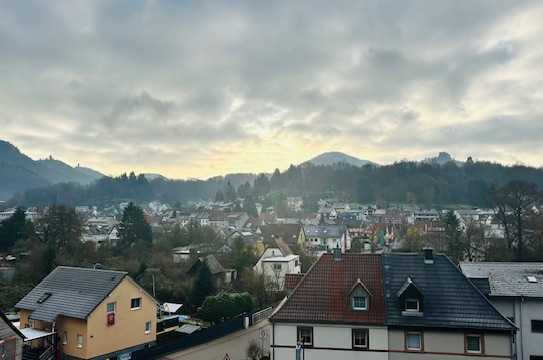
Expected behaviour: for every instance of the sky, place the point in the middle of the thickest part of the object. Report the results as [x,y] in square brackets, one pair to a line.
[203,88]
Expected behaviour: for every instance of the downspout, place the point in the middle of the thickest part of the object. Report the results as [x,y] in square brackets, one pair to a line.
[520,325]
[273,340]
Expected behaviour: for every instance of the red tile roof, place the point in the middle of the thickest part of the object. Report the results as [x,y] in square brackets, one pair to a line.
[323,293]
[292,280]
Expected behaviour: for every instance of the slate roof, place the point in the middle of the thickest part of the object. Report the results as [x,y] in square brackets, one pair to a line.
[325,231]
[323,293]
[507,279]
[287,232]
[75,292]
[450,299]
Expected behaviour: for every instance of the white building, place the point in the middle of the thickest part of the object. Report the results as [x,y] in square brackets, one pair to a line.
[275,266]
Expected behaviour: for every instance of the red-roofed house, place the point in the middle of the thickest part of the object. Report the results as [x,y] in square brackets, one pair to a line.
[338,305]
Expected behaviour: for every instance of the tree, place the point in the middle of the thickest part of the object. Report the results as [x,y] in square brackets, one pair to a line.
[226,306]
[203,285]
[413,240]
[229,192]
[13,229]
[514,205]
[219,196]
[242,255]
[249,206]
[454,241]
[261,185]
[133,228]
[62,227]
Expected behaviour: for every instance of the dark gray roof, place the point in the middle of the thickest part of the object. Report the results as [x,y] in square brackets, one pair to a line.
[507,278]
[450,300]
[75,292]
[324,231]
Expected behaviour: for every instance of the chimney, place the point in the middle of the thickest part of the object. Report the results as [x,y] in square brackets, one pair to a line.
[337,253]
[428,255]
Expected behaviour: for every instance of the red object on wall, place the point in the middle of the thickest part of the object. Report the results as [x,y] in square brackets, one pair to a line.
[110,319]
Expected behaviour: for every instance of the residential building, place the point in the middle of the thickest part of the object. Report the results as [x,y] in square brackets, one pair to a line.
[516,290]
[336,310]
[435,312]
[322,238]
[94,314]
[390,306]
[275,263]
[295,203]
[11,340]
[221,276]
[291,234]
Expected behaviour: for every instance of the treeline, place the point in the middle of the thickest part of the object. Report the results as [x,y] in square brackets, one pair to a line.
[405,182]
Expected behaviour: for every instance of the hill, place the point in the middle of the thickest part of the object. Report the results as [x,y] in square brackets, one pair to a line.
[335,158]
[18,172]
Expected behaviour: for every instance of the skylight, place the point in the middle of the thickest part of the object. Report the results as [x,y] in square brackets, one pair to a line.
[44,297]
[532,279]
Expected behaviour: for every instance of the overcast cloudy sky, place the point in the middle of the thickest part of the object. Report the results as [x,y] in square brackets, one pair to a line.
[194,89]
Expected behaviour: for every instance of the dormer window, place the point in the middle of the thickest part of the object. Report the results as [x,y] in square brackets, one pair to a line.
[412,305]
[360,297]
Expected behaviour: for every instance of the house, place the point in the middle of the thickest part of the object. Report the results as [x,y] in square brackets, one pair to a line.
[433,310]
[221,276]
[295,203]
[393,306]
[275,263]
[11,340]
[88,314]
[516,289]
[322,238]
[292,234]
[336,310]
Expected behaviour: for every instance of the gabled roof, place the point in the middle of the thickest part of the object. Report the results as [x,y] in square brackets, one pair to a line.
[287,232]
[212,263]
[292,280]
[70,291]
[508,279]
[450,299]
[406,285]
[323,294]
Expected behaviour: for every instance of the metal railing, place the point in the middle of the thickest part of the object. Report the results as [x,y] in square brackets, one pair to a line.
[261,315]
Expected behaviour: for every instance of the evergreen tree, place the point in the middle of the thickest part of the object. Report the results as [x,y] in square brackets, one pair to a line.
[203,285]
[133,228]
[249,206]
[13,229]
[229,192]
[261,185]
[454,239]
[62,227]
[219,196]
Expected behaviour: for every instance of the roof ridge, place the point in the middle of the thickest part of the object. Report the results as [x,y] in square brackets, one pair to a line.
[89,269]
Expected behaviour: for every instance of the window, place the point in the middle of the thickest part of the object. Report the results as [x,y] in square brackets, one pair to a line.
[537,326]
[305,336]
[79,341]
[44,297]
[411,305]
[111,307]
[148,327]
[359,300]
[413,341]
[277,267]
[360,338]
[64,338]
[474,344]
[532,279]
[135,304]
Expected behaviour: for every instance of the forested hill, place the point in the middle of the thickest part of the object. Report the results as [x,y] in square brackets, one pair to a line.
[415,182]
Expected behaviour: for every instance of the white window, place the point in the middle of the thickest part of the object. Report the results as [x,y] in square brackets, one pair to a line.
[413,341]
[277,267]
[148,327]
[305,335]
[64,338]
[135,304]
[111,307]
[360,338]
[359,300]
[79,341]
[473,344]
[411,305]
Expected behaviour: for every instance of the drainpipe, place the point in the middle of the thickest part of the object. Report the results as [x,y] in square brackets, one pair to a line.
[273,340]
[520,325]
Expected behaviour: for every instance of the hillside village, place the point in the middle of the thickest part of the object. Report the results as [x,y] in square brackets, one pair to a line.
[210,268]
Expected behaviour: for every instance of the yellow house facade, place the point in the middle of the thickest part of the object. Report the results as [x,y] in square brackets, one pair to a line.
[117,320]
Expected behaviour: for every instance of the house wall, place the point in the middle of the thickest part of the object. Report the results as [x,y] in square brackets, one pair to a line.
[72,327]
[329,342]
[447,345]
[129,328]
[10,341]
[277,277]
[523,311]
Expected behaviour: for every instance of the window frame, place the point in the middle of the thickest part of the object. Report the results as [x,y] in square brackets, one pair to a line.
[357,308]
[299,329]
[413,300]
[481,344]
[147,332]
[114,303]
[65,338]
[366,333]
[139,303]
[421,342]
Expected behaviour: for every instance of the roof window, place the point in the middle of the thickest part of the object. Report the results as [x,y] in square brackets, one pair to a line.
[44,297]
[531,279]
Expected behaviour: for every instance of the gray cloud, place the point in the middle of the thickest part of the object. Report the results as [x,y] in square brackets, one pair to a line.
[193,83]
